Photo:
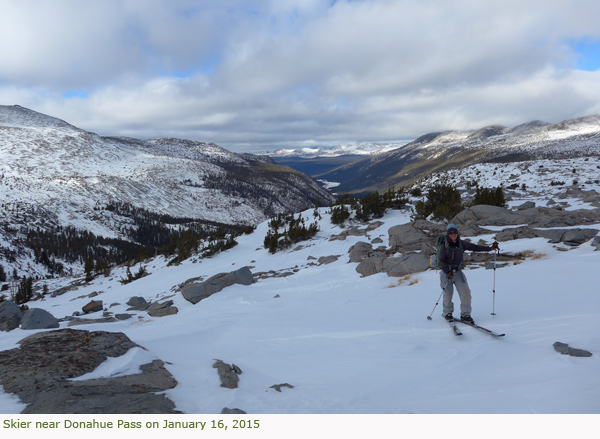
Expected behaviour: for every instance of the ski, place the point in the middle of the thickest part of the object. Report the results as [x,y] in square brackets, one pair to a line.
[454,327]
[481,328]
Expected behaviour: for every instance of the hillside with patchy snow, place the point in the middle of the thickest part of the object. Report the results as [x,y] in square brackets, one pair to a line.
[443,151]
[54,174]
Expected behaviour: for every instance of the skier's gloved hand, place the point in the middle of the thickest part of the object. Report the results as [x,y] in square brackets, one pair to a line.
[494,246]
[449,274]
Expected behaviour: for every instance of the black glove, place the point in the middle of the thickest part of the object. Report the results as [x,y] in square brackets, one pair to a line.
[449,274]
[494,246]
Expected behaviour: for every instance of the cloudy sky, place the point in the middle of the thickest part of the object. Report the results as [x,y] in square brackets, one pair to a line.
[267,74]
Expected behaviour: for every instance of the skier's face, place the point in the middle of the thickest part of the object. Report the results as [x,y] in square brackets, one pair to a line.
[453,235]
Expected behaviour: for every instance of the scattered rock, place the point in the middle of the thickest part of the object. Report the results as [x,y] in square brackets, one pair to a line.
[162,309]
[123,316]
[228,374]
[10,316]
[93,306]
[36,318]
[138,301]
[228,411]
[323,260]
[76,321]
[565,349]
[279,386]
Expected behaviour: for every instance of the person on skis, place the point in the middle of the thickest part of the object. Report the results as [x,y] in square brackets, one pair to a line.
[451,263]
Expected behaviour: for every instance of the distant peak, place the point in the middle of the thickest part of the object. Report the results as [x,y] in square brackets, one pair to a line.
[22,117]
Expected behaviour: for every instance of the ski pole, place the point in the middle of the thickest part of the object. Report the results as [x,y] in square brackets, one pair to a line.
[494,287]
[438,301]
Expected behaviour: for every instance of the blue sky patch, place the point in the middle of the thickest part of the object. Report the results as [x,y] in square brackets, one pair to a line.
[72,94]
[588,54]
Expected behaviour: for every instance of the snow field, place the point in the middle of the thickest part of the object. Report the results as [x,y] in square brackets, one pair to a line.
[352,345]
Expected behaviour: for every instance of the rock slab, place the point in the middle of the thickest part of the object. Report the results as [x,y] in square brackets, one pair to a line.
[195,292]
[565,349]
[38,373]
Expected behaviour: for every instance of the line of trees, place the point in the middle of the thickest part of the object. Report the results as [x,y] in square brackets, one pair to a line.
[444,201]
[372,205]
[293,230]
[146,233]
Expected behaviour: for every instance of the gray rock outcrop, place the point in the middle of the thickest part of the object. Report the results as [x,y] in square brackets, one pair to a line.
[570,237]
[415,240]
[195,292]
[10,316]
[482,215]
[370,266]
[363,250]
[36,318]
[406,264]
[39,370]
[395,266]
[412,236]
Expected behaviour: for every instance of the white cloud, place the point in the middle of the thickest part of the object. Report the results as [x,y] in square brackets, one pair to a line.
[271,73]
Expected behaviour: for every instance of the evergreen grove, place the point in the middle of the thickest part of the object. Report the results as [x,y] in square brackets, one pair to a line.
[146,233]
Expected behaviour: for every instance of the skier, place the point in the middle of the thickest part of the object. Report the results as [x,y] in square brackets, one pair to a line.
[451,262]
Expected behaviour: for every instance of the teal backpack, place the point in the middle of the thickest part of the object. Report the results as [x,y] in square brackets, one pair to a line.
[434,260]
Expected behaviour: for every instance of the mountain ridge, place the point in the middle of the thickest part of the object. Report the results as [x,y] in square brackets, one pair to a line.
[55,174]
[439,151]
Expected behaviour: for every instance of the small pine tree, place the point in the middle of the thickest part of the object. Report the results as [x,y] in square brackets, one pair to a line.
[89,269]
[339,214]
[24,291]
[443,202]
[491,197]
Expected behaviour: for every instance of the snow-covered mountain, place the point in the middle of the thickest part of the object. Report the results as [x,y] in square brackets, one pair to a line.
[359,149]
[349,344]
[55,174]
[456,149]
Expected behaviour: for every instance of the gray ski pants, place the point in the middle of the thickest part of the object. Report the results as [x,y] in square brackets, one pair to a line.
[464,292]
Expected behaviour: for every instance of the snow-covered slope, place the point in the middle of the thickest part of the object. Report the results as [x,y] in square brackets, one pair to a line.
[364,345]
[46,161]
